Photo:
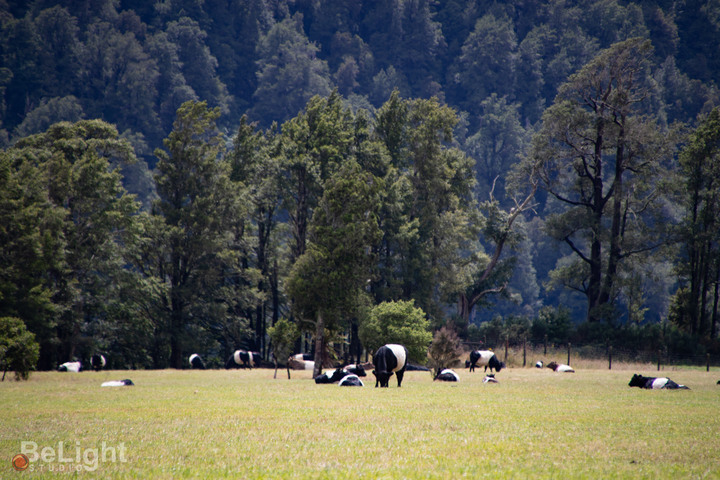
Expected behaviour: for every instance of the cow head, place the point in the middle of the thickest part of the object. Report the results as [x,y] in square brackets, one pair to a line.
[637,381]
[382,378]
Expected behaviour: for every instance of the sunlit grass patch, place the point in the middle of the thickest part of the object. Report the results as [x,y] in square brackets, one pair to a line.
[245,424]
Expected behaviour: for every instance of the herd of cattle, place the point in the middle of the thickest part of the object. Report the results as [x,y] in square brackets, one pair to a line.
[388,360]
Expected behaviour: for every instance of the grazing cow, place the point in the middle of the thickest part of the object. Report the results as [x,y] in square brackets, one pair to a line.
[351,380]
[655,383]
[490,378]
[447,375]
[389,359]
[243,359]
[118,383]
[97,362]
[560,367]
[196,362]
[538,364]
[332,377]
[70,367]
[485,358]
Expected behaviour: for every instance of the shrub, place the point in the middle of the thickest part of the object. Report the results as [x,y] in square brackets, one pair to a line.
[18,349]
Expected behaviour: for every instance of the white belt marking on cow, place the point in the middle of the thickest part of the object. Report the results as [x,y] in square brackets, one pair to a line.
[399,352]
[659,382]
[236,355]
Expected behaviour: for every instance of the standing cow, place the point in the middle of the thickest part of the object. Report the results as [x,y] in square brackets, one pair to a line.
[196,362]
[389,359]
[97,362]
[243,359]
[485,358]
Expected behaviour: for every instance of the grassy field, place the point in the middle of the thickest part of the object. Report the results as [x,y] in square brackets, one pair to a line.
[244,424]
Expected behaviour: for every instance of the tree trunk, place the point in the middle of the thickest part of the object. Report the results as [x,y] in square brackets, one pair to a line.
[319,341]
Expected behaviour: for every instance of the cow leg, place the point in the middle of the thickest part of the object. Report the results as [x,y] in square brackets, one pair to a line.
[400,377]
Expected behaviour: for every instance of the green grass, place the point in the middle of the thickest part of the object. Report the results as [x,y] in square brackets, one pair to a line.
[244,424]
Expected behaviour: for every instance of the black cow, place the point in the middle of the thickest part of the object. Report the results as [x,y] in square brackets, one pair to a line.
[485,358]
[447,375]
[328,377]
[97,362]
[243,359]
[356,369]
[655,383]
[389,359]
[196,362]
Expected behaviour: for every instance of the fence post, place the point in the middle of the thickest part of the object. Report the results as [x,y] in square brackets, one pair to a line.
[708,363]
[525,353]
[659,355]
[610,357]
[545,345]
[507,344]
[568,362]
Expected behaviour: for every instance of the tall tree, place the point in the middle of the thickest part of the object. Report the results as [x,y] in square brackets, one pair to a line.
[602,159]
[197,204]
[75,161]
[697,301]
[327,282]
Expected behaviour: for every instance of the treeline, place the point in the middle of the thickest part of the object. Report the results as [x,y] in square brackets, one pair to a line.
[308,160]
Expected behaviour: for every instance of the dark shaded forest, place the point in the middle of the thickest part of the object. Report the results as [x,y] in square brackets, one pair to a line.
[180,176]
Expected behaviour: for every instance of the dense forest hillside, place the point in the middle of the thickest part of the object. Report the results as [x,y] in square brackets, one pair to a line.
[518,169]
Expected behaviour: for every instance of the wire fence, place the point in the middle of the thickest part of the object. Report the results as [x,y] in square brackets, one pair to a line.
[593,356]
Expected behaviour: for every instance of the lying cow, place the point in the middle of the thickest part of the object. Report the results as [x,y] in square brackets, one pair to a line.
[301,361]
[332,376]
[118,383]
[389,359]
[74,367]
[196,362]
[485,358]
[560,367]
[243,359]
[97,362]
[490,378]
[356,369]
[351,380]
[654,383]
[447,375]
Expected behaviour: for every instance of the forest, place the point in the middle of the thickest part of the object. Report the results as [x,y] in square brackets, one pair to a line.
[188,177]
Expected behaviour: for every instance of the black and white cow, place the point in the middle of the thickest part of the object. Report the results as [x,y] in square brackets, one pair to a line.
[351,380]
[332,376]
[485,358]
[447,375]
[97,362]
[560,367]
[389,359]
[243,359]
[70,367]
[490,378]
[654,383]
[539,364]
[118,383]
[196,362]
[356,369]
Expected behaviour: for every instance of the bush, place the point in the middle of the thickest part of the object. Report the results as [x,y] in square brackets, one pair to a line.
[18,349]
[397,322]
[445,349]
